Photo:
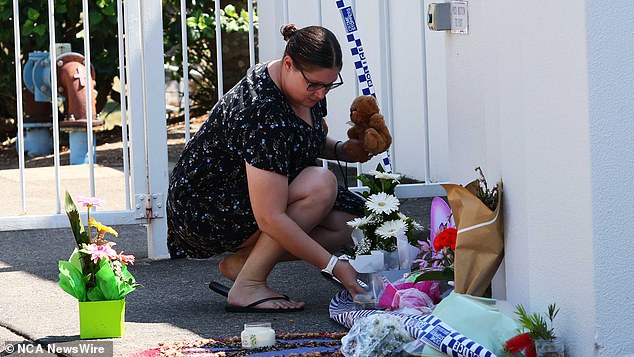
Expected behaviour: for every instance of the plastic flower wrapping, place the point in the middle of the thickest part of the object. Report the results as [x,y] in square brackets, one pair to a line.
[94,271]
[382,223]
[376,335]
[436,256]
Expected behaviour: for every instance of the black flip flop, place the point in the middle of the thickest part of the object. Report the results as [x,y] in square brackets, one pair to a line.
[219,288]
[252,307]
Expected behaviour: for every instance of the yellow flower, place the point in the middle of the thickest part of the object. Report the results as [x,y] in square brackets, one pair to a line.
[102,229]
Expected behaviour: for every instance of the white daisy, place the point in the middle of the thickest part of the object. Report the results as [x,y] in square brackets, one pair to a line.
[382,203]
[415,224]
[391,228]
[385,175]
[359,222]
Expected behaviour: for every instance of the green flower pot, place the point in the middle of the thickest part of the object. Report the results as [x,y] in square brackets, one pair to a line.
[101,319]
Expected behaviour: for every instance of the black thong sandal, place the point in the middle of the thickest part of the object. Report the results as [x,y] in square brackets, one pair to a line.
[219,288]
[252,307]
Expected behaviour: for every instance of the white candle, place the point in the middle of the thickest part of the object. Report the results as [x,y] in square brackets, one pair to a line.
[257,334]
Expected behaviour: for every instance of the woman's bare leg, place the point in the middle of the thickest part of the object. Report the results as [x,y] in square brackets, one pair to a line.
[311,197]
[332,233]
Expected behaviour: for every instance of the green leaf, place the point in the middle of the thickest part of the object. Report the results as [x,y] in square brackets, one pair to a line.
[191,22]
[95,18]
[60,8]
[106,280]
[32,14]
[445,274]
[71,280]
[128,284]
[81,237]
[75,259]
[28,27]
[110,11]
[231,11]
[40,29]
[95,294]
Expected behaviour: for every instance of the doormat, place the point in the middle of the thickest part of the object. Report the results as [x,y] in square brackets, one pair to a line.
[287,344]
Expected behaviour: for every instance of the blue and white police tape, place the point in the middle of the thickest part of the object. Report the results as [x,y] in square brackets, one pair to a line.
[428,329]
[366,86]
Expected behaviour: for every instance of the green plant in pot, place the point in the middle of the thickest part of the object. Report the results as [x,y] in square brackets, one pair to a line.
[537,334]
[95,274]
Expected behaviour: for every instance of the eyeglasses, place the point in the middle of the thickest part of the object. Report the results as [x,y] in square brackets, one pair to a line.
[313,87]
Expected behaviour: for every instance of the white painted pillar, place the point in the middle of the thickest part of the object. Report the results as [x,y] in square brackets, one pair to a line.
[144,43]
[610,60]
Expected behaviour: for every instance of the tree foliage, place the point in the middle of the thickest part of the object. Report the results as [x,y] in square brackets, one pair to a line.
[202,54]
[104,43]
[69,28]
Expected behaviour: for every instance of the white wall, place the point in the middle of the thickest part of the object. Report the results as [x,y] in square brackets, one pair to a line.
[610,53]
[540,94]
[405,73]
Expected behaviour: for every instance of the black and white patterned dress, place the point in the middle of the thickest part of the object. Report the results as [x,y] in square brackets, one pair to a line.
[208,207]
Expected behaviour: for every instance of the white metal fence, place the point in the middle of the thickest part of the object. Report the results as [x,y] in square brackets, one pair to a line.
[140,188]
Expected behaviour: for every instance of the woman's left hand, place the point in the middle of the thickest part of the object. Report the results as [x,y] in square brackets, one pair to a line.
[348,277]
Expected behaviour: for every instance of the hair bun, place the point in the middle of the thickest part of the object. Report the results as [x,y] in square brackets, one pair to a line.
[288,30]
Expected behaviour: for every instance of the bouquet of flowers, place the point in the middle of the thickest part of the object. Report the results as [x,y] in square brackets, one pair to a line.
[437,258]
[382,223]
[94,271]
[477,211]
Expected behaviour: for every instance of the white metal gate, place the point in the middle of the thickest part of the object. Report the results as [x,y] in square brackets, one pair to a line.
[145,174]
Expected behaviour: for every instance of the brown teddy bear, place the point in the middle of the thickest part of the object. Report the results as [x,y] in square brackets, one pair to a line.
[369,128]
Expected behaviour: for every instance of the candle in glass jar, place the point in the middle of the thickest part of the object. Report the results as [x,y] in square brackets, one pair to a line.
[257,334]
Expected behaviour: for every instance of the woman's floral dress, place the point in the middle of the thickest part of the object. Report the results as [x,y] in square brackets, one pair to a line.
[208,207]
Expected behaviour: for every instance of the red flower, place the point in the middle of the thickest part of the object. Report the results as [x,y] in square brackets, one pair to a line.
[519,343]
[446,238]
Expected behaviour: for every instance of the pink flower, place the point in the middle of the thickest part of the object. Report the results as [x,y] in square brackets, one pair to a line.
[89,201]
[125,259]
[424,246]
[101,251]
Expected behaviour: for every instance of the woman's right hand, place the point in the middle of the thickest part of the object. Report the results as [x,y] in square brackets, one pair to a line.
[348,277]
[354,151]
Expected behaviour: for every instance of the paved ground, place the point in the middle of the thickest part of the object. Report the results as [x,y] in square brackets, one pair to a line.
[174,304]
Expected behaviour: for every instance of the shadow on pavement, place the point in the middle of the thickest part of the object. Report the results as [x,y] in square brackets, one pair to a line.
[174,304]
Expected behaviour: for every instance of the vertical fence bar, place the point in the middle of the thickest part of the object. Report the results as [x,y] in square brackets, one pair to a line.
[136,94]
[89,113]
[251,33]
[185,68]
[143,83]
[320,22]
[426,159]
[386,72]
[124,105]
[286,15]
[218,49]
[54,111]
[20,108]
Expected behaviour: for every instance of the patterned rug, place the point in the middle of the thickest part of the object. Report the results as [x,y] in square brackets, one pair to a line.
[287,344]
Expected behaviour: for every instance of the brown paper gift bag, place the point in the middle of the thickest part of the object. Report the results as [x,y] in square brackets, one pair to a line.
[480,241]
